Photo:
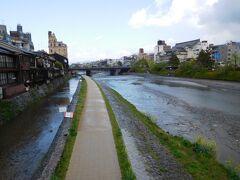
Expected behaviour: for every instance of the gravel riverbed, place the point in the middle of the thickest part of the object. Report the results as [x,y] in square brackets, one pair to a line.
[149,159]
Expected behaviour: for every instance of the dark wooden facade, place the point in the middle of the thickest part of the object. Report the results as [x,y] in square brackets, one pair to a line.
[20,69]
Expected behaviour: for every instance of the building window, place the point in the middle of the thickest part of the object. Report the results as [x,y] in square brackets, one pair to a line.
[6,61]
[9,62]
[3,78]
[2,61]
[11,77]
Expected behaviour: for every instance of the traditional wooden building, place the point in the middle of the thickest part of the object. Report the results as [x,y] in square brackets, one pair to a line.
[10,75]
[21,69]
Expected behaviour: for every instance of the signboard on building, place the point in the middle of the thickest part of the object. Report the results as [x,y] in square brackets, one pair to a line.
[216,56]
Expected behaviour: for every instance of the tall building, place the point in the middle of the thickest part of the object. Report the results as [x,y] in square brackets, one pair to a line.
[160,50]
[56,46]
[4,34]
[21,39]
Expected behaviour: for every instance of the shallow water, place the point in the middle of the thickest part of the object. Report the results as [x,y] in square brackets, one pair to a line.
[25,141]
[187,109]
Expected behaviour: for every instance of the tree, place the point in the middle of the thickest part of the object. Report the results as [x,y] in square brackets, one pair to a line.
[58,65]
[235,59]
[204,59]
[174,61]
[119,63]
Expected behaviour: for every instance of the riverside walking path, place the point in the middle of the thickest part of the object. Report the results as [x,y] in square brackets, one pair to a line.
[94,155]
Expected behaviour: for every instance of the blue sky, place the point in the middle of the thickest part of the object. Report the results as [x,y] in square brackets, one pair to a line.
[96,29]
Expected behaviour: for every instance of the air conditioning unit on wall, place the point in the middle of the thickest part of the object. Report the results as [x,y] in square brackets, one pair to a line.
[1,93]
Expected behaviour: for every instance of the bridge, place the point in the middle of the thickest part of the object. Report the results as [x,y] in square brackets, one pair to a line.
[112,70]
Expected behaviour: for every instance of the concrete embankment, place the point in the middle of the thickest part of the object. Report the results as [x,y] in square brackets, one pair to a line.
[10,108]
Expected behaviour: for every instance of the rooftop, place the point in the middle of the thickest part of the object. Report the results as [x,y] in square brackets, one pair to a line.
[187,44]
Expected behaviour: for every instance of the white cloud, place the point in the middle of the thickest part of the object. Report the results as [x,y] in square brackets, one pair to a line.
[139,18]
[217,20]
[98,38]
[169,12]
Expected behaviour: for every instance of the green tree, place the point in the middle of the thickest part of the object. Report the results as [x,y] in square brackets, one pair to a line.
[204,59]
[235,60]
[174,61]
[140,66]
[119,63]
[58,65]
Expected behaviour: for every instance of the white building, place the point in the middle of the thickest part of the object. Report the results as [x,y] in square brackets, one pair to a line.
[160,50]
[190,49]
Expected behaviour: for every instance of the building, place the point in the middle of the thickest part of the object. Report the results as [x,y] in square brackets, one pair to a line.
[189,49]
[21,69]
[128,61]
[4,36]
[160,51]
[142,55]
[21,40]
[56,46]
[63,60]
[224,53]
[11,78]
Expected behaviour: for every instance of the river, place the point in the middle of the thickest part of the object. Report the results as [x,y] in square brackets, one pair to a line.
[25,141]
[187,108]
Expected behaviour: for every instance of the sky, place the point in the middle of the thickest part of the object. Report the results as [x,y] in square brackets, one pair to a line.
[95,29]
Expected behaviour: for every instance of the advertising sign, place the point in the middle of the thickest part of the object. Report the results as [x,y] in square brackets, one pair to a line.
[62,109]
[216,56]
[68,114]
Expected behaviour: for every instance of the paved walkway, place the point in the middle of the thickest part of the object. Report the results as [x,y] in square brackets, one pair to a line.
[94,155]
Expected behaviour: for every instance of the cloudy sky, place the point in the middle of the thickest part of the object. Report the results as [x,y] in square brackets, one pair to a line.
[95,29]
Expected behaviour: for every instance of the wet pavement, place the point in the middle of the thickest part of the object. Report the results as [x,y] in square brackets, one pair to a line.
[188,108]
[26,140]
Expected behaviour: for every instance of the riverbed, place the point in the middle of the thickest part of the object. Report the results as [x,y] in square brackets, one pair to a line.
[26,140]
[187,107]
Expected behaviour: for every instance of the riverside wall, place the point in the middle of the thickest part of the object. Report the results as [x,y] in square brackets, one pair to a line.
[10,108]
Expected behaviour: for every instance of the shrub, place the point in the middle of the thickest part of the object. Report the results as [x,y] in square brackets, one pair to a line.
[233,171]
[205,147]
[7,110]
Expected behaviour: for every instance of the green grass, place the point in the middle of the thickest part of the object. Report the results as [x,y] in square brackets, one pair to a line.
[7,110]
[205,147]
[62,167]
[125,166]
[195,162]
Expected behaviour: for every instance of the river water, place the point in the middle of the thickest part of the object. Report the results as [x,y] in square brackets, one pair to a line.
[187,108]
[25,141]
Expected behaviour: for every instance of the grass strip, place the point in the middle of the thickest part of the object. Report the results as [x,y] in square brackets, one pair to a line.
[199,165]
[124,163]
[62,167]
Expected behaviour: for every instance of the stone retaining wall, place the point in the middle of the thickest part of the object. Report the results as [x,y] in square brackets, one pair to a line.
[10,108]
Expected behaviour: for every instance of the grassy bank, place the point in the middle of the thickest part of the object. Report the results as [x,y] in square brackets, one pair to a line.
[125,166]
[192,70]
[189,69]
[61,170]
[198,159]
